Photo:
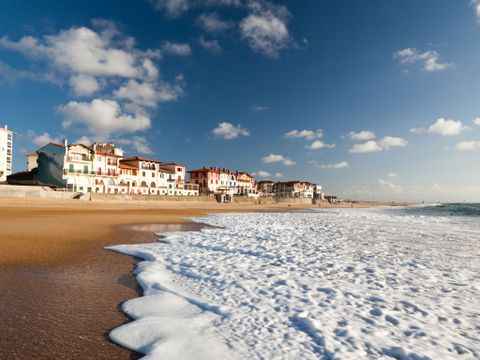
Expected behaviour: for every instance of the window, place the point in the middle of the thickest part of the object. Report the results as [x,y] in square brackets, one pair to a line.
[153,174]
[179,169]
[71,168]
[143,173]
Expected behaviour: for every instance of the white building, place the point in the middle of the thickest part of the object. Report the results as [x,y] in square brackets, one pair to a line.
[6,152]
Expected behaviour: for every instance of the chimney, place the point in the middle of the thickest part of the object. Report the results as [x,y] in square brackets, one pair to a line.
[6,127]
[65,143]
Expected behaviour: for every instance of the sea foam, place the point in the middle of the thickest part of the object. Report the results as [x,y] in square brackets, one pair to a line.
[349,284]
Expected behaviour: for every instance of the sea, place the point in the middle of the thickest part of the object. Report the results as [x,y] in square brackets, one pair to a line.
[377,283]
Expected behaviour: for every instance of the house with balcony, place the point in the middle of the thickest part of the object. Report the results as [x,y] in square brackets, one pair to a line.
[293,189]
[265,188]
[147,174]
[207,179]
[246,184]
[106,165]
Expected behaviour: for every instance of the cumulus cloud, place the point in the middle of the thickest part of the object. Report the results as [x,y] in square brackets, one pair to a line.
[265,28]
[273,158]
[386,143]
[305,134]
[211,45]
[319,144]
[177,49]
[173,8]
[139,143]
[278,175]
[228,131]
[101,118]
[468,145]
[392,174]
[390,186]
[446,127]
[43,139]
[148,94]
[417,131]
[430,59]
[84,85]
[476,5]
[212,23]
[95,61]
[389,141]
[81,50]
[361,135]
[476,121]
[340,165]
[262,173]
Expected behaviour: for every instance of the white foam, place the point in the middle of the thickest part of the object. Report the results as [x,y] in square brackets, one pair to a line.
[348,284]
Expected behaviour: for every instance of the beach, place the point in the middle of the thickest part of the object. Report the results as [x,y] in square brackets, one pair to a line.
[61,290]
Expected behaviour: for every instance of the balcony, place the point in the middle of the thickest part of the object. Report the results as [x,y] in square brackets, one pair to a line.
[79,158]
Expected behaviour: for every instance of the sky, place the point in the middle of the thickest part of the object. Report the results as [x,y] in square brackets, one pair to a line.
[372,100]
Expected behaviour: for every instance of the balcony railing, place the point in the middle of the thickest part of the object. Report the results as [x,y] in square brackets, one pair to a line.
[83,159]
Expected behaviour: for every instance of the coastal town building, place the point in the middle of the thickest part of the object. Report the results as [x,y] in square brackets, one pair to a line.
[6,152]
[265,188]
[31,161]
[246,184]
[300,189]
[214,180]
[102,168]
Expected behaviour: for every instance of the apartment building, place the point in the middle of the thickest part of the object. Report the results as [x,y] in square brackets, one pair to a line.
[6,152]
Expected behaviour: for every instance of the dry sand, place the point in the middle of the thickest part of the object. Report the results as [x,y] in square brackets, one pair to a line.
[60,290]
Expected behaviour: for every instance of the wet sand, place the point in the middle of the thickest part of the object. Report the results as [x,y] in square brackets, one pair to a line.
[61,291]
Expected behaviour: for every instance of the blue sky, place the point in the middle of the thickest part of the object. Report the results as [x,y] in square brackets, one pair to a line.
[373,100]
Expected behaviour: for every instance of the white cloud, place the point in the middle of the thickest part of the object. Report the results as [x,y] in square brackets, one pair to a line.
[228,131]
[476,121]
[369,146]
[389,141]
[211,45]
[417,131]
[305,134]
[212,23]
[102,118]
[278,175]
[263,173]
[468,145]
[272,158]
[319,144]
[139,144]
[446,127]
[258,108]
[340,165]
[265,28]
[386,143]
[390,186]
[392,174]
[84,85]
[476,5]
[43,139]
[430,59]
[80,50]
[173,8]
[361,135]
[148,94]
[177,49]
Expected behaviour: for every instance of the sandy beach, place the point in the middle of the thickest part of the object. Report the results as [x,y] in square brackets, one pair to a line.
[61,290]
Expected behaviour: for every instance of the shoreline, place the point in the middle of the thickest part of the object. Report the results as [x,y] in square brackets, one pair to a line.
[61,288]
